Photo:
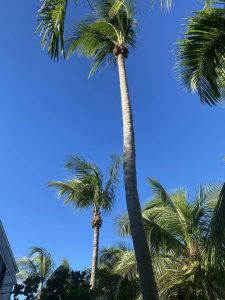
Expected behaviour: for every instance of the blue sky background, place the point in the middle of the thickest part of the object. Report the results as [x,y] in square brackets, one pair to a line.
[50,110]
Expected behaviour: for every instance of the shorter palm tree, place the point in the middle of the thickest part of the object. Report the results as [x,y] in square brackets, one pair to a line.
[186,240]
[38,263]
[86,189]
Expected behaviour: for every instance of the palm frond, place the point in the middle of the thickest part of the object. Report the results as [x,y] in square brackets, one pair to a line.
[160,193]
[75,192]
[116,7]
[159,236]
[217,233]
[43,260]
[51,16]
[38,263]
[117,276]
[200,59]
[81,168]
[126,266]
[204,204]
[26,264]
[109,256]
[109,191]
[122,225]
[165,4]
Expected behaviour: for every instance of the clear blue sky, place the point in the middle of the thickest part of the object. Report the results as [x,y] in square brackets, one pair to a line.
[50,110]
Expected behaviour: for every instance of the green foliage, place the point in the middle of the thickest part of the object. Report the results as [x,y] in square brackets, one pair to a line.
[29,288]
[62,284]
[67,285]
[112,284]
[97,35]
[186,239]
[166,4]
[39,263]
[51,16]
[86,188]
[201,51]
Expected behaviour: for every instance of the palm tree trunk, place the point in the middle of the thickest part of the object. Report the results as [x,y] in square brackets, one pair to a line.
[141,248]
[94,257]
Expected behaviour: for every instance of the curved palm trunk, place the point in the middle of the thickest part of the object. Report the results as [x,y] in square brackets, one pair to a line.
[144,263]
[96,224]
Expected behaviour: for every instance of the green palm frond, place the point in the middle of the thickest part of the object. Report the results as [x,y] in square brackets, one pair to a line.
[161,226]
[51,16]
[98,34]
[111,184]
[75,192]
[116,7]
[110,256]
[126,266]
[208,4]
[26,265]
[122,225]
[117,274]
[82,168]
[160,193]
[43,260]
[166,4]
[216,236]
[160,236]
[86,189]
[108,192]
[204,204]
[39,262]
[200,59]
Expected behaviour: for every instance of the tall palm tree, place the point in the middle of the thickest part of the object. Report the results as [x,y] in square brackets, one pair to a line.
[107,39]
[186,239]
[86,189]
[201,52]
[38,263]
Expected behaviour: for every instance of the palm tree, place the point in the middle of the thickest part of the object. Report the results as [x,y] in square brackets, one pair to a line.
[38,263]
[86,189]
[107,39]
[186,239]
[201,52]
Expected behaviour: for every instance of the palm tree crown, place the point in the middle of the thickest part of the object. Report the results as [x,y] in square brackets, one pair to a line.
[102,37]
[201,54]
[86,189]
[38,263]
[52,16]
